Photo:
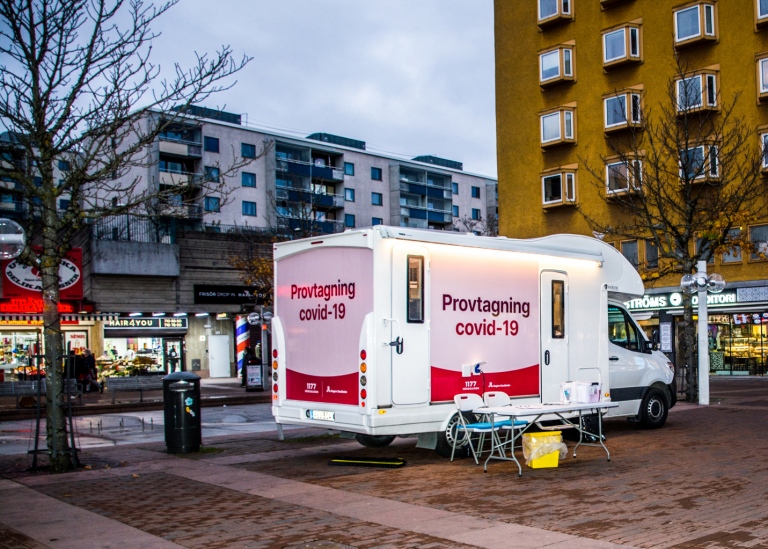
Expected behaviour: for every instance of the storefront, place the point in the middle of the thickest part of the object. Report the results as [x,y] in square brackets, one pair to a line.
[138,345]
[737,327]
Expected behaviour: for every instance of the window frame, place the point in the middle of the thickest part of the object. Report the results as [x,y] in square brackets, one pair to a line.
[734,256]
[708,93]
[475,191]
[208,144]
[347,218]
[349,192]
[762,76]
[477,215]
[455,210]
[566,116]
[376,170]
[753,257]
[764,148]
[632,39]
[761,17]
[377,221]
[243,208]
[212,174]
[633,106]
[243,150]
[646,261]
[349,168]
[567,179]
[212,204]
[705,171]
[454,188]
[558,309]
[631,176]
[243,177]
[635,242]
[419,280]
[562,13]
[380,198]
[707,24]
[565,67]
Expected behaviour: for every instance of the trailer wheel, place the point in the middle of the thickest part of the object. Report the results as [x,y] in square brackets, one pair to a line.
[444,445]
[374,441]
[654,409]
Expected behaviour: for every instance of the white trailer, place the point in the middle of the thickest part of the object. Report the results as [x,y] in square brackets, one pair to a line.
[376,329]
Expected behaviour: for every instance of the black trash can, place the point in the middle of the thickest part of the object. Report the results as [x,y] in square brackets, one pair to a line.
[181,398]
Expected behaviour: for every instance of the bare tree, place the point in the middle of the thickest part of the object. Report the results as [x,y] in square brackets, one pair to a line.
[682,180]
[485,227]
[77,86]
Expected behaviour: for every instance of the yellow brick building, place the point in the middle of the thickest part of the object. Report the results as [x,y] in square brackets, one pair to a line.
[571,73]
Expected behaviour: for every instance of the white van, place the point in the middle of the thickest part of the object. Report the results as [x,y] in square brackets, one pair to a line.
[376,329]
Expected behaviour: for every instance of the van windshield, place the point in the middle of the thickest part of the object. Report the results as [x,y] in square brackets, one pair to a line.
[621,330]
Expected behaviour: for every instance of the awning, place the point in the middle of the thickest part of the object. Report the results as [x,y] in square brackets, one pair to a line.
[88,317]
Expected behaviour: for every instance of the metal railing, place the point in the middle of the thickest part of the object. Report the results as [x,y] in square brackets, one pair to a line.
[128,228]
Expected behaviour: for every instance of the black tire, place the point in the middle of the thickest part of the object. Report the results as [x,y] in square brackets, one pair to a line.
[654,409]
[374,441]
[444,445]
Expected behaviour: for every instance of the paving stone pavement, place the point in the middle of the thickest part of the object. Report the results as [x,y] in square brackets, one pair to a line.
[700,482]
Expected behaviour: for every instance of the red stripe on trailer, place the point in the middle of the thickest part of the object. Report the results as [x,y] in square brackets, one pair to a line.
[521,382]
[331,389]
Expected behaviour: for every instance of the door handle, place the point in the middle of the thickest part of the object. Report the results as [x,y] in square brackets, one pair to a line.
[614,358]
[546,358]
[397,344]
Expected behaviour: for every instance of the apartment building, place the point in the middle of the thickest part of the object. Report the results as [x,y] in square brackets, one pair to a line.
[573,74]
[321,183]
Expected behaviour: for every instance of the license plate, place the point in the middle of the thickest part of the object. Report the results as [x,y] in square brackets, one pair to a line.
[322,415]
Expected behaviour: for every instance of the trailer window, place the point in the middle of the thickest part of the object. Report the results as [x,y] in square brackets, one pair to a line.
[415,288]
[558,309]
[621,330]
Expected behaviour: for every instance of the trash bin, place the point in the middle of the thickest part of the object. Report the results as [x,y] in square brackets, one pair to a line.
[181,399]
[543,449]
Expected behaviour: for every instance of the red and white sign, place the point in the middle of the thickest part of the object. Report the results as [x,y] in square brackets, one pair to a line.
[23,281]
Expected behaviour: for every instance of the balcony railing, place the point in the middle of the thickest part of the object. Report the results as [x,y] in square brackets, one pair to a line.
[128,228]
[179,147]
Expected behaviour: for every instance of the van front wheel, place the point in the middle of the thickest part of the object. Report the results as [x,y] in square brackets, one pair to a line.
[654,409]
[374,441]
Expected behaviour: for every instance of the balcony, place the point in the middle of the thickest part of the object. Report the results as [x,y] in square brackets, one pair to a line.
[180,148]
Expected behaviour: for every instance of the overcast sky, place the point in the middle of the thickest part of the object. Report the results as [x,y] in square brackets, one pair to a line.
[408,77]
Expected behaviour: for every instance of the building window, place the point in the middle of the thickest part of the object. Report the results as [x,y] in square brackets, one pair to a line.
[651,255]
[212,174]
[629,250]
[249,208]
[454,188]
[476,214]
[558,127]
[63,203]
[212,204]
[349,168]
[556,65]
[622,46]
[349,220]
[377,221]
[623,176]
[249,179]
[475,192]
[733,254]
[211,144]
[758,236]
[704,247]
[696,92]
[64,165]
[247,150]
[764,148]
[455,209]
[762,12]
[762,78]
[622,110]
[558,188]
[375,174]
[349,195]
[699,162]
[377,199]
[695,24]
[554,11]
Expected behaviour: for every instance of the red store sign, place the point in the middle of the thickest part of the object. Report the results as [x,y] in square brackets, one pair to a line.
[23,281]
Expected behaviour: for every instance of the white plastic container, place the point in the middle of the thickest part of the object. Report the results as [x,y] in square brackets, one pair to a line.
[566,392]
[594,392]
[581,390]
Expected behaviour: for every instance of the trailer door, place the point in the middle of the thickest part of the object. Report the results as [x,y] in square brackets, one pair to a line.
[554,334]
[409,325]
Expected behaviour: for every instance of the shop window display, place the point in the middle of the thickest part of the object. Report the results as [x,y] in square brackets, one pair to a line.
[131,356]
[738,344]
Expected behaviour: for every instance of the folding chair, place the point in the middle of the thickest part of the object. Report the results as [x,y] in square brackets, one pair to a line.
[500,398]
[466,402]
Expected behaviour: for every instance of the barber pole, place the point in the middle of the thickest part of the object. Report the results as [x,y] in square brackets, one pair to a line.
[243,338]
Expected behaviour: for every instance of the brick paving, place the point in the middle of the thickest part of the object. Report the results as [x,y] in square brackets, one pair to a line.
[700,482]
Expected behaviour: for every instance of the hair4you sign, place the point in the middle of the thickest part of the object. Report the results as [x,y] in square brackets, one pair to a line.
[23,281]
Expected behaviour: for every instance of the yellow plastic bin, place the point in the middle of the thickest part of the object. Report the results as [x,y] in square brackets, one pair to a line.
[542,449]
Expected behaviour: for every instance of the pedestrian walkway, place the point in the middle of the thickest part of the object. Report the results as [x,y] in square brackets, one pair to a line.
[696,483]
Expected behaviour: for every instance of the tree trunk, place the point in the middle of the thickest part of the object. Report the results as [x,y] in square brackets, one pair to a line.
[689,345]
[59,452]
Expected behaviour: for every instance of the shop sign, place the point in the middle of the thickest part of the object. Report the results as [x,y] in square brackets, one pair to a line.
[175,323]
[210,294]
[20,280]
[664,301]
[31,305]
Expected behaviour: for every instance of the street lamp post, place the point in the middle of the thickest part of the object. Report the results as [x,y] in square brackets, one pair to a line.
[701,283]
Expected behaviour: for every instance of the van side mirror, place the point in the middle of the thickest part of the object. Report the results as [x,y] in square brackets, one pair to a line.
[650,346]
